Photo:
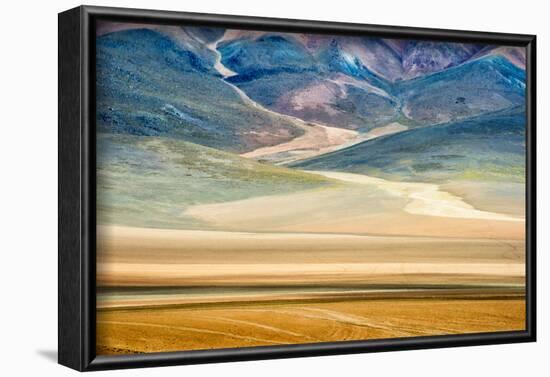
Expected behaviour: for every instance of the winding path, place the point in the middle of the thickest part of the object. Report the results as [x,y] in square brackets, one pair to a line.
[317,138]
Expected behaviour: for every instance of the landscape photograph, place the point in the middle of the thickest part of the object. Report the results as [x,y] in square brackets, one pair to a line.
[263,188]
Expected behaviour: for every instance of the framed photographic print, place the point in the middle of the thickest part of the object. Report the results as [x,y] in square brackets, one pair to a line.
[238,188]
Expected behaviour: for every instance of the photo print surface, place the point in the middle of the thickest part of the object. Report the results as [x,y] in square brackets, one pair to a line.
[271,188]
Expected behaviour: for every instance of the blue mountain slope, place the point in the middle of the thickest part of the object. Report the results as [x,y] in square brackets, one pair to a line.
[268,67]
[488,147]
[267,54]
[277,70]
[163,83]
[335,58]
[424,57]
[484,85]
[148,85]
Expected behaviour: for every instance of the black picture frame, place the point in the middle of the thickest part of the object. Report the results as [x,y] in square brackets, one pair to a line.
[76,188]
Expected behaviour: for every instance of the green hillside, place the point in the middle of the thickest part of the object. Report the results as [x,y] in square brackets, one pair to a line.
[150,181]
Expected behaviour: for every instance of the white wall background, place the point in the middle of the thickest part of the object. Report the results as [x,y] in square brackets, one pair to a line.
[28,185]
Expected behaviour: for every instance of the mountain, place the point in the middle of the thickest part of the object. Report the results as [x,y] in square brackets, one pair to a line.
[267,54]
[403,60]
[420,58]
[327,85]
[268,67]
[487,84]
[390,59]
[188,38]
[340,100]
[172,75]
[149,84]
[376,55]
[487,147]
[363,83]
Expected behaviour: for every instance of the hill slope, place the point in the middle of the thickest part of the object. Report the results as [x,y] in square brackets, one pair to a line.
[327,85]
[488,147]
[350,82]
[340,81]
[484,85]
[149,181]
[147,84]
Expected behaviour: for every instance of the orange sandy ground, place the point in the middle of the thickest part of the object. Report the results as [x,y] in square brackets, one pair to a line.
[246,325]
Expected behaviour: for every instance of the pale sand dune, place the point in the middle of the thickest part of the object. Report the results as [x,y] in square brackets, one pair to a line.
[316,140]
[146,245]
[149,257]
[319,139]
[503,197]
[388,129]
[280,273]
[363,205]
[425,198]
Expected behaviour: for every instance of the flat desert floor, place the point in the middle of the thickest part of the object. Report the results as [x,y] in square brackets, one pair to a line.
[187,290]
[257,324]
